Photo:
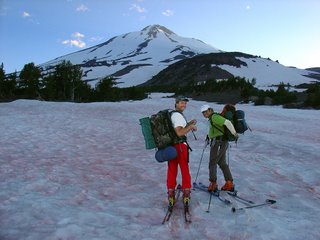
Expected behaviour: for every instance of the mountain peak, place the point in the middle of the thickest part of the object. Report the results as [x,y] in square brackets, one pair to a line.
[153,30]
[136,57]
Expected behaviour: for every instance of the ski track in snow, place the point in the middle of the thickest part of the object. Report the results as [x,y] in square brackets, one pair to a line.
[80,171]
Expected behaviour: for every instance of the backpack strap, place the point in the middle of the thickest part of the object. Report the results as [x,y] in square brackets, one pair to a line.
[178,139]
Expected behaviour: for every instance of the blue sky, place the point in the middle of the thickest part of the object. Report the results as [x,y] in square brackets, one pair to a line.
[41,30]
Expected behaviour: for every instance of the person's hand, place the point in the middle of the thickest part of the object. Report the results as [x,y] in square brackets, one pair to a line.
[192,122]
[193,127]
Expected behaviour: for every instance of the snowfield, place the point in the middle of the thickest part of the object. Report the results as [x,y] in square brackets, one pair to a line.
[81,171]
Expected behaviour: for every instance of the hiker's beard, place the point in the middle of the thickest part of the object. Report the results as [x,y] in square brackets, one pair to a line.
[180,107]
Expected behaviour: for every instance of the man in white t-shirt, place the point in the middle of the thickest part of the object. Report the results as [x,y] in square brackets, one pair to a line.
[181,127]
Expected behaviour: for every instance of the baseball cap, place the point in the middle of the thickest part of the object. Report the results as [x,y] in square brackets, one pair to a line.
[181,98]
[205,107]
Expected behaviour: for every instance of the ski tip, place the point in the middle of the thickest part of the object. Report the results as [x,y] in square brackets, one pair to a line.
[271,201]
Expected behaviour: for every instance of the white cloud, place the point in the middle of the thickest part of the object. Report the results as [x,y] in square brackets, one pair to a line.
[168,13]
[76,40]
[248,7]
[137,8]
[26,14]
[82,8]
[30,18]
[77,35]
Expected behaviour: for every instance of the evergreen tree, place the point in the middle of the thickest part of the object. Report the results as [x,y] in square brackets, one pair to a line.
[67,79]
[283,96]
[8,84]
[11,85]
[50,90]
[313,99]
[105,90]
[29,80]
[2,82]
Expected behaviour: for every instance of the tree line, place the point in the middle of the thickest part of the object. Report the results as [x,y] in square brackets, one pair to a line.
[64,83]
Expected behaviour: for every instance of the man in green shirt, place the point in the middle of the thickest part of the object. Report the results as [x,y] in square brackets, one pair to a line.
[219,148]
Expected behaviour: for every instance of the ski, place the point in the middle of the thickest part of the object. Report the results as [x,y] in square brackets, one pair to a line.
[204,188]
[237,197]
[187,215]
[267,202]
[170,208]
[168,215]
[232,194]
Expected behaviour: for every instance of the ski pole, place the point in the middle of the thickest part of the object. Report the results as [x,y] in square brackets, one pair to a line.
[229,154]
[194,135]
[201,160]
[208,210]
[268,202]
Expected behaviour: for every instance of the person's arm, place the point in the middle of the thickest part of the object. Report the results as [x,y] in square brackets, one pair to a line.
[182,131]
[230,126]
[180,125]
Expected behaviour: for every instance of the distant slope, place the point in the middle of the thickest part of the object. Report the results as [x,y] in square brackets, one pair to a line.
[227,64]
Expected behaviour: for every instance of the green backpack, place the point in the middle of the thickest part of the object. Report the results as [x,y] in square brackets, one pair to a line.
[158,131]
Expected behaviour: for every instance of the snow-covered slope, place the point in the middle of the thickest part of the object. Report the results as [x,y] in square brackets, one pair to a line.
[134,57]
[80,171]
[268,72]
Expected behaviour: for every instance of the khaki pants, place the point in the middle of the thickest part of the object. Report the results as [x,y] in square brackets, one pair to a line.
[218,157]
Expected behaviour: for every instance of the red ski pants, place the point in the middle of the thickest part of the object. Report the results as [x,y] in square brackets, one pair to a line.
[182,161]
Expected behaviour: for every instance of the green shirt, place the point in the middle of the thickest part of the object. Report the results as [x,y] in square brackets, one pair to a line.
[216,123]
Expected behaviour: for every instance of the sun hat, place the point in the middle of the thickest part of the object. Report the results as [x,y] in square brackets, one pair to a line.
[205,107]
[181,98]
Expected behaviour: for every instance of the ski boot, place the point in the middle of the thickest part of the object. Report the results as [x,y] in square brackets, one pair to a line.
[213,186]
[228,186]
[171,198]
[186,198]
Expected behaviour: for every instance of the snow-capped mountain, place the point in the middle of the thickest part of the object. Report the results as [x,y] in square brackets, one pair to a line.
[135,58]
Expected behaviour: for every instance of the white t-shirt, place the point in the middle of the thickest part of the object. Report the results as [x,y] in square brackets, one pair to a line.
[178,120]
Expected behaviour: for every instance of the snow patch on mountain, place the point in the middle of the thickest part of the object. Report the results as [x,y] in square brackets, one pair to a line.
[268,72]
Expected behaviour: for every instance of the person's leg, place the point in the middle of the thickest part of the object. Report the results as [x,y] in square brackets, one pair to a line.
[172,180]
[213,186]
[228,186]
[213,160]
[172,173]
[222,161]
[184,165]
